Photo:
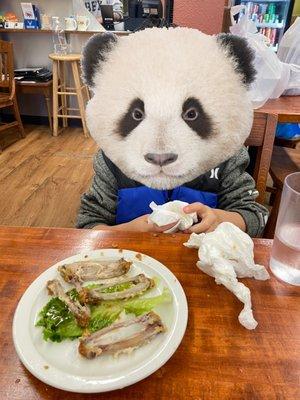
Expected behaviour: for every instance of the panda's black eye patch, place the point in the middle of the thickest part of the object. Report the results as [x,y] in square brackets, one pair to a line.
[132,118]
[196,118]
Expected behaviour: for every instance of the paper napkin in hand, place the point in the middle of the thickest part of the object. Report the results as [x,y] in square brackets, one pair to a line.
[172,212]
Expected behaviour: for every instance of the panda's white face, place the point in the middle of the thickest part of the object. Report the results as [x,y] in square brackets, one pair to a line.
[168,106]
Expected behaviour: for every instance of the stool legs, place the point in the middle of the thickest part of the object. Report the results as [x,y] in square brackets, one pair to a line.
[63,85]
[55,98]
[78,87]
[48,105]
[88,97]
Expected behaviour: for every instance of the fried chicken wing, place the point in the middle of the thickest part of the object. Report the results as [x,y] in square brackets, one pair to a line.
[92,270]
[138,285]
[121,337]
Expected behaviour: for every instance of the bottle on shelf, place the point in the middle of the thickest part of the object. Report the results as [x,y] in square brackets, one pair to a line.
[269,17]
[60,43]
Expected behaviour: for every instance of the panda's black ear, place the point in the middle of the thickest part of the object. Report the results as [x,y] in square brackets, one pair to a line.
[94,53]
[239,50]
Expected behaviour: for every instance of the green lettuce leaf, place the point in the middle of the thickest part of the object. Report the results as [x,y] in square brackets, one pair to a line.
[107,312]
[58,322]
[73,294]
[119,287]
[141,305]
[104,315]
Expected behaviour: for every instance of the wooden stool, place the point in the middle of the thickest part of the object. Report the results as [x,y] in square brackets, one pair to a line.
[284,162]
[60,89]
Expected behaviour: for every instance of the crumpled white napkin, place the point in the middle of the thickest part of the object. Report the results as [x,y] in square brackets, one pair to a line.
[172,212]
[227,254]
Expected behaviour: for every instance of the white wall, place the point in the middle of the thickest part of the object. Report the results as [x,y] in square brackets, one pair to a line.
[32,49]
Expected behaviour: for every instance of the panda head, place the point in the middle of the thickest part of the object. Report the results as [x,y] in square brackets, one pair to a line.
[168,104]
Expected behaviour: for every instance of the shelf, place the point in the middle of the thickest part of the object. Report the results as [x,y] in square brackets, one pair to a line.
[269,25]
[25,30]
[49,31]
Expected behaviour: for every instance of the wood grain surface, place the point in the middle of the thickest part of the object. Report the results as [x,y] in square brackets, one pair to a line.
[286,107]
[284,162]
[217,359]
[42,178]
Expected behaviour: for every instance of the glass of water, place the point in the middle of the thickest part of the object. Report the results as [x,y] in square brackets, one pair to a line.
[285,255]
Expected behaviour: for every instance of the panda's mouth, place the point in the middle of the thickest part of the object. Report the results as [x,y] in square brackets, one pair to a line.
[174,170]
[161,173]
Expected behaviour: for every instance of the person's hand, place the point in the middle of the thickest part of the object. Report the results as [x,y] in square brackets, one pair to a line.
[141,224]
[210,218]
[207,216]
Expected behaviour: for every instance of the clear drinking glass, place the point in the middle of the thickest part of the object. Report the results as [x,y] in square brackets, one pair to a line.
[285,255]
[61,49]
[59,38]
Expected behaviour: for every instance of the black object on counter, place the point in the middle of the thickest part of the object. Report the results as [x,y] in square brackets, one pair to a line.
[38,74]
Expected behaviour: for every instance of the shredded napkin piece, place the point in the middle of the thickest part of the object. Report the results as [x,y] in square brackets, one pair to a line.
[172,212]
[227,254]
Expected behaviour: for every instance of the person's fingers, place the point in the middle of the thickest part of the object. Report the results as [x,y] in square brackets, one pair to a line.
[211,228]
[199,208]
[203,226]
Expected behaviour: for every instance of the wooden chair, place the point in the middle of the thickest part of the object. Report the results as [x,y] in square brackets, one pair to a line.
[287,109]
[7,86]
[284,161]
[61,90]
[262,138]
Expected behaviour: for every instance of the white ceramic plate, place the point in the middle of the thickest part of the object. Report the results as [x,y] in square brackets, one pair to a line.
[60,365]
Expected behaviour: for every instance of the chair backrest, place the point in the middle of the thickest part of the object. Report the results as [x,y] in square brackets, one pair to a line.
[262,136]
[6,66]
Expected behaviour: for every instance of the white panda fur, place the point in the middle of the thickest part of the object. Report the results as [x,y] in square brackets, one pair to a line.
[164,67]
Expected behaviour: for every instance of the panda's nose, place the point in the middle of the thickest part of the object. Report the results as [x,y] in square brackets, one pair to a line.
[161,159]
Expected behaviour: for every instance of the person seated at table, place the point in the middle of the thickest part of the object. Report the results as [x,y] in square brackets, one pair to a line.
[169,131]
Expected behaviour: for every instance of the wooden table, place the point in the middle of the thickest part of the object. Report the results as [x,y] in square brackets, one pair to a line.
[43,88]
[217,359]
[286,107]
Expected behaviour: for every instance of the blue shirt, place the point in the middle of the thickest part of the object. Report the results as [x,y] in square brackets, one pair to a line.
[134,202]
